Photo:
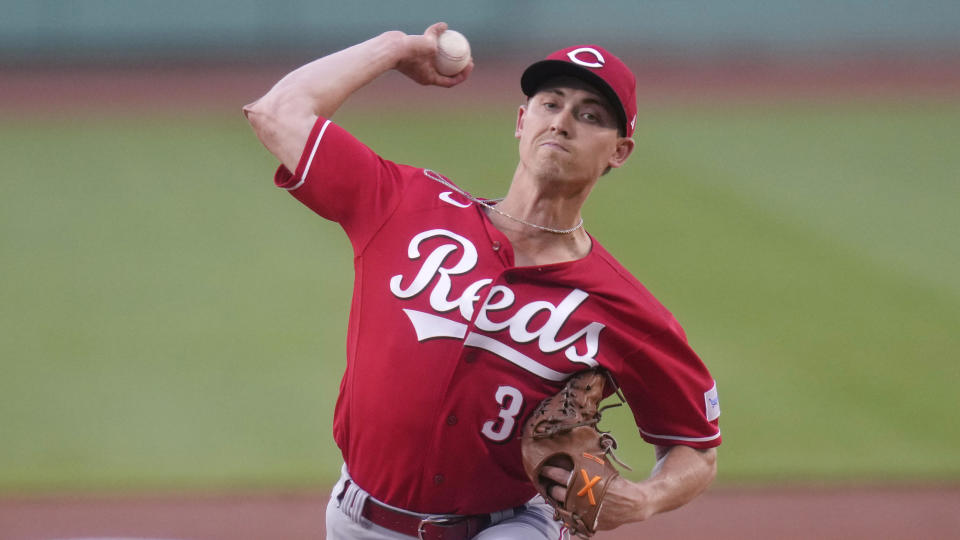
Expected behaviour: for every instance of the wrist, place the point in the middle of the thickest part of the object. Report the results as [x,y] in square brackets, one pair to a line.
[390,46]
[625,502]
[641,499]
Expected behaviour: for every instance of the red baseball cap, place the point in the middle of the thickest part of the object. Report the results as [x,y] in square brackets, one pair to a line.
[596,66]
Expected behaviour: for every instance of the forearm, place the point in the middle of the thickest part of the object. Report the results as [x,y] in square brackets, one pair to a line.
[282,118]
[320,87]
[680,475]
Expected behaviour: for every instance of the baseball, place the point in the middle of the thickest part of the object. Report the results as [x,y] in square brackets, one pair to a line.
[453,53]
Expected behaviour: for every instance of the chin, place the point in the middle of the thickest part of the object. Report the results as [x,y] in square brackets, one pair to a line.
[551,166]
[552,172]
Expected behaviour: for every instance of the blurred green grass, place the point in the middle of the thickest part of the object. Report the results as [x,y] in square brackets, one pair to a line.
[171,320]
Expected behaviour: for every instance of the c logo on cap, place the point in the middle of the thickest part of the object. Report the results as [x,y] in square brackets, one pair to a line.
[598,63]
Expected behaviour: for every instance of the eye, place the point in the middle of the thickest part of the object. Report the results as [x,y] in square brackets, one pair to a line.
[592,117]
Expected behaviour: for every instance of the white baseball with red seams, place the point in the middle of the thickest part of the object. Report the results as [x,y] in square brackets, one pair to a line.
[453,53]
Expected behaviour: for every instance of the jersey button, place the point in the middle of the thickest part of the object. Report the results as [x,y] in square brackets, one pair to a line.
[451,420]
[438,479]
[495,245]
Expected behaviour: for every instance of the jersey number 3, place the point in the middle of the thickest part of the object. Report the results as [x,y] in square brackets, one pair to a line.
[511,402]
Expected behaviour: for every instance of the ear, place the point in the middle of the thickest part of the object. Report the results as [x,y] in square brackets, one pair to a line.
[520,112]
[624,148]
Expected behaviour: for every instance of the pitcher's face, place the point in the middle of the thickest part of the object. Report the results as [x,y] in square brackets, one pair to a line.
[569,131]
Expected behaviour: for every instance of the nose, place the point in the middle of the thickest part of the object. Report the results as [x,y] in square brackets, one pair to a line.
[560,123]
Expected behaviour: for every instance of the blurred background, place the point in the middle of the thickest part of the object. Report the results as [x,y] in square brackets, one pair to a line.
[169,320]
[113,30]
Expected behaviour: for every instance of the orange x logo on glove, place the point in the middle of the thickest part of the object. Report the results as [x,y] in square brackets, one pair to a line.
[588,488]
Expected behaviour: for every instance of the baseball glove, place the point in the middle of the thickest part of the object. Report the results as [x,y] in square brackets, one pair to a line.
[562,432]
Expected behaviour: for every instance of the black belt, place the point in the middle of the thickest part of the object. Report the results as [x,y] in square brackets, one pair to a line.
[430,527]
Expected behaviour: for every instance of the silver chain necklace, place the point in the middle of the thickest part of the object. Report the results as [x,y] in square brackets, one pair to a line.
[492,205]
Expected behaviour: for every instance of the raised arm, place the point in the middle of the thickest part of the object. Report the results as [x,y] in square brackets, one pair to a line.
[283,117]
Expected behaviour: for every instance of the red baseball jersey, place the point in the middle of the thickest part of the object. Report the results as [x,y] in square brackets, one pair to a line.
[450,345]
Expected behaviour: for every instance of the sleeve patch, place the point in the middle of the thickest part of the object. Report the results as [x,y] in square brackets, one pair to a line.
[712,401]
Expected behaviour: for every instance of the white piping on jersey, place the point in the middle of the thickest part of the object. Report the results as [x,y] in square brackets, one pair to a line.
[492,205]
[678,438]
[306,169]
[445,197]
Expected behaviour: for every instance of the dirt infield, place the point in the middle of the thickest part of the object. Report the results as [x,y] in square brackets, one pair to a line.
[720,514]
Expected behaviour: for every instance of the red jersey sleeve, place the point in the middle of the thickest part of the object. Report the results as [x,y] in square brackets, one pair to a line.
[671,392]
[343,180]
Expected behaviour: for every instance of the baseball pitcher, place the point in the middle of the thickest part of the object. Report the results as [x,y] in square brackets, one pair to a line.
[484,332]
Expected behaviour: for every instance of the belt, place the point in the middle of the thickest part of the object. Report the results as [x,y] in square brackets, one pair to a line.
[430,527]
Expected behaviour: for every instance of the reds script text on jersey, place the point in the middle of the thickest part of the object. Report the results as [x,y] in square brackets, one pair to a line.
[450,346]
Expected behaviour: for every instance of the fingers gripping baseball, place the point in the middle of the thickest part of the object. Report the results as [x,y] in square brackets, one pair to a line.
[419,61]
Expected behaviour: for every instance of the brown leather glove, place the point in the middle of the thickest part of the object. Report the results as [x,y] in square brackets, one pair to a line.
[562,432]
